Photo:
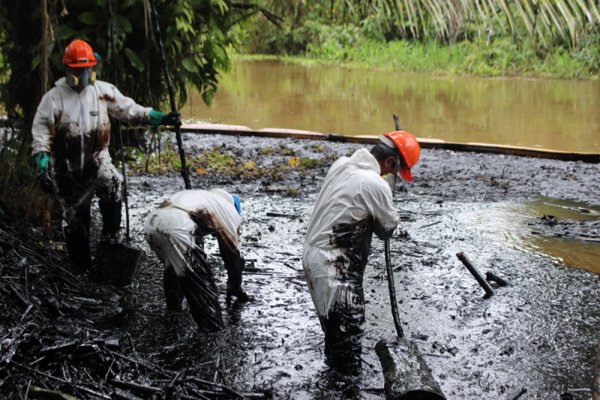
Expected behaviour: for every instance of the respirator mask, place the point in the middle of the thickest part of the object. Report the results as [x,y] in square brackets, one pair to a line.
[80,78]
[392,178]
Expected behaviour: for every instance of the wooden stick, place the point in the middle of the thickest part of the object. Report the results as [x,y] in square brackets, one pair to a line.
[596,384]
[489,292]
[277,214]
[392,289]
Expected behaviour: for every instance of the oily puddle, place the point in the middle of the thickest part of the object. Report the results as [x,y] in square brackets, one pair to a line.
[563,230]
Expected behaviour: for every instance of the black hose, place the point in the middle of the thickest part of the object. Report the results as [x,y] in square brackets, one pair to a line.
[184,169]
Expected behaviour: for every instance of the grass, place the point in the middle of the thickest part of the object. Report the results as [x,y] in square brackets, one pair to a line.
[501,58]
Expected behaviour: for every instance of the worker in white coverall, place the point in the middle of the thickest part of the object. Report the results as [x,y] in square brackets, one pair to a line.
[175,232]
[71,135]
[353,203]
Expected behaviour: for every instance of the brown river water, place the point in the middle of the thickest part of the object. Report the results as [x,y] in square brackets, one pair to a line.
[539,113]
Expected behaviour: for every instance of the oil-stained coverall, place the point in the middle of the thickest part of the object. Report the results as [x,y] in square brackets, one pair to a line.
[353,203]
[75,128]
[175,232]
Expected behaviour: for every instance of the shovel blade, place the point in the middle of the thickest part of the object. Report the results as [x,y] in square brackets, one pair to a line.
[116,263]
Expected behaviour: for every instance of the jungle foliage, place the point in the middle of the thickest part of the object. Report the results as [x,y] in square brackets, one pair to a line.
[327,29]
[197,36]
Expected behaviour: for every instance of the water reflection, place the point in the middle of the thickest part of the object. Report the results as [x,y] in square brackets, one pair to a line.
[556,114]
[517,225]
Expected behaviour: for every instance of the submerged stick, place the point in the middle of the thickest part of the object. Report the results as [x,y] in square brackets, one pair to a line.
[489,292]
[392,289]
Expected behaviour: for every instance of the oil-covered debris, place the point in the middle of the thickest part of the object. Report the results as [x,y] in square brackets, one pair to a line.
[62,334]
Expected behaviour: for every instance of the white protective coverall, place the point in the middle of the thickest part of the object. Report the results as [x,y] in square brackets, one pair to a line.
[175,231]
[75,128]
[353,203]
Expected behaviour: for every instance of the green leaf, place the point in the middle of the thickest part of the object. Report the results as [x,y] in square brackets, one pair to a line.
[134,59]
[189,65]
[123,24]
[88,18]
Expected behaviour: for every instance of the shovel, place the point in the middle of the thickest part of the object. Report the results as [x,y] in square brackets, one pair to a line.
[116,263]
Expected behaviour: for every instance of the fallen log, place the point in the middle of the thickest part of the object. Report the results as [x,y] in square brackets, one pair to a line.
[405,372]
[596,383]
[489,292]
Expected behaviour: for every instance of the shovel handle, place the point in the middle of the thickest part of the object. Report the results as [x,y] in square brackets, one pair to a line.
[392,289]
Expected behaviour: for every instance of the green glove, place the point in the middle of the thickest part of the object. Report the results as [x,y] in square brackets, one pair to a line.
[42,160]
[156,117]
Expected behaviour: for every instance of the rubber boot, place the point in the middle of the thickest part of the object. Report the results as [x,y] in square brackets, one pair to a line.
[111,217]
[78,246]
[173,292]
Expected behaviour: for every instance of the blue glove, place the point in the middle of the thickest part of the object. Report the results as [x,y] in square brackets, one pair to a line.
[42,160]
[160,118]
[236,202]
[156,117]
[42,163]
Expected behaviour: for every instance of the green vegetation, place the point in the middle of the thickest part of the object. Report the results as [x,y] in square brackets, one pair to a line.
[481,37]
[198,36]
[226,161]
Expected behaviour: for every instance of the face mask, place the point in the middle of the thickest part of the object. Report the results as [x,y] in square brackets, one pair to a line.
[81,80]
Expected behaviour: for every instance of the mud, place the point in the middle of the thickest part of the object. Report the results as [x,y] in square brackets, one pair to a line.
[539,333]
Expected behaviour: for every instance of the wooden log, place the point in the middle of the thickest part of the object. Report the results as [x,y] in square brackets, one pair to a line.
[596,383]
[489,292]
[405,372]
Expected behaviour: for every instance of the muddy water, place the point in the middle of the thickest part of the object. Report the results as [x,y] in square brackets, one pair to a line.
[555,114]
[513,223]
[539,333]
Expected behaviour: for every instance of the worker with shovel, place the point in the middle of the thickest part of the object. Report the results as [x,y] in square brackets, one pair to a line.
[175,232]
[354,203]
[71,135]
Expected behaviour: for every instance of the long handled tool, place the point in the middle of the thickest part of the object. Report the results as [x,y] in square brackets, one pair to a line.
[390,273]
[116,263]
[114,71]
[184,170]
[392,289]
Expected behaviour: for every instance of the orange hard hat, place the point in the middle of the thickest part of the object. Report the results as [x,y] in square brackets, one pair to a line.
[409,148]
[79,54]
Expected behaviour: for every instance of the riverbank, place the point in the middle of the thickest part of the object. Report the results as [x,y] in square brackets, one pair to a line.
[497,59]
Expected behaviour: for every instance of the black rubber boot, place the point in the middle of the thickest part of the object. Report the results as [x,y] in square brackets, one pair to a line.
[173,291]
[78,246]
[111,217]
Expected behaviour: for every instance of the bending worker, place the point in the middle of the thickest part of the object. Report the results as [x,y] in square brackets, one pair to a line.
[175,232]
[71,135]
[353,203]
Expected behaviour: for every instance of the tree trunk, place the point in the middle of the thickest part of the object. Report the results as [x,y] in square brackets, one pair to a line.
[406,374]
